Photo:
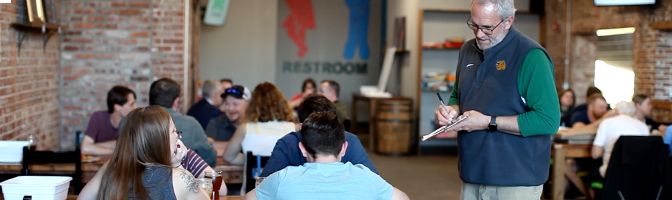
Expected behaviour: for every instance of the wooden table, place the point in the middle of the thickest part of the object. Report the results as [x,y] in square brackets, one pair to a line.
[230,173]
[89,169]
[562,152]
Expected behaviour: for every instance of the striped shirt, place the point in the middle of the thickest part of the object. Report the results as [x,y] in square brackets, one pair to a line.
[194,163]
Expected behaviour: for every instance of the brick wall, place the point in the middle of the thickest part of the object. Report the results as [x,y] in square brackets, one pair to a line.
[653,57]
[28,82]
[110,42]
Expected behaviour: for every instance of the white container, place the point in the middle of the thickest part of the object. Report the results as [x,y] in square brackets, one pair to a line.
[38,187]
[12,151]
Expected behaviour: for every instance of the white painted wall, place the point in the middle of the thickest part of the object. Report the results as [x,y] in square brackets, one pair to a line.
[244,48]
[409,9]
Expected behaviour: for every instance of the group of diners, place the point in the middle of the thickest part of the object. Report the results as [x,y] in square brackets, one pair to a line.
[309,148]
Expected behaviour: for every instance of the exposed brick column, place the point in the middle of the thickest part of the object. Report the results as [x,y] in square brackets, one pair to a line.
[111,42]
[652,55]
[28,82]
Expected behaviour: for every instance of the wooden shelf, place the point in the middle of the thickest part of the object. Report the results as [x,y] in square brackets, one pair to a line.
[28,27]
[662,25]
[46,30]
[402,51]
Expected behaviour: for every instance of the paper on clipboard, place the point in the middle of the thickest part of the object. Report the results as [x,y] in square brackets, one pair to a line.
[459,119]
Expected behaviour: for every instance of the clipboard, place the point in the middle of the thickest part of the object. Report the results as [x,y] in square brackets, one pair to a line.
[459,119]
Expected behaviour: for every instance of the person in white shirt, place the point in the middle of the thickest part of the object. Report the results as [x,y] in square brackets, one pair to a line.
[612,128]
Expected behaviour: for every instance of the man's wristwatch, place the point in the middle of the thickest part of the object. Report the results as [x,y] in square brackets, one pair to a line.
[492,126]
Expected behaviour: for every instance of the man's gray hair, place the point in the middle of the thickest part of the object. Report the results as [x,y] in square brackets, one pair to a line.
[626,108]
[504,8]
[208,88]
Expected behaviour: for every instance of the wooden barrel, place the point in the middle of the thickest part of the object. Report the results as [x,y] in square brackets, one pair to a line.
[394,125]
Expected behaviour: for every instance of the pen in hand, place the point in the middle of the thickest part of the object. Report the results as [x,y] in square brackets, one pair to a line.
[440,99]
[443,105]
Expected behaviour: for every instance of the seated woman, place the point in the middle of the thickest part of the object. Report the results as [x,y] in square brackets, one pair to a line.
[567,102]
[267,119]
[643,113]
[308,87]
[145,162]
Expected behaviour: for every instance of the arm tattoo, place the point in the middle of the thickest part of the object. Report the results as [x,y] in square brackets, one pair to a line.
[189,179]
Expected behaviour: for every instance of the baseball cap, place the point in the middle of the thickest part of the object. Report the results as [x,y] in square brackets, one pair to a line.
[237,91]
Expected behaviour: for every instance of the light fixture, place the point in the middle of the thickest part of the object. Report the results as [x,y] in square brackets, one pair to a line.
[615,31]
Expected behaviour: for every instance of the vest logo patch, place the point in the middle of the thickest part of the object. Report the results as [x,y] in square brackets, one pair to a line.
[501,65]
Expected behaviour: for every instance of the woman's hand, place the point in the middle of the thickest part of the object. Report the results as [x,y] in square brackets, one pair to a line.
[178,154]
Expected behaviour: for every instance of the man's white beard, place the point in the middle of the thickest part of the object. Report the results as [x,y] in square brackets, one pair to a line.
[493,42]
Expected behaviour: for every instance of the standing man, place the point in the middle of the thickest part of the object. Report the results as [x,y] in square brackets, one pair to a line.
[505,86]
[165,92]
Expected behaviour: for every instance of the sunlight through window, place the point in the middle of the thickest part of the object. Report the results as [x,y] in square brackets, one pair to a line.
[617,83]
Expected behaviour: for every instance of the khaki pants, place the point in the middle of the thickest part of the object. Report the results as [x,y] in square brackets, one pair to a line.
[485,192]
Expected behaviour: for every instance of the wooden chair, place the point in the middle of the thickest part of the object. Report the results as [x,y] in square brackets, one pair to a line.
[252,168]
[32,157]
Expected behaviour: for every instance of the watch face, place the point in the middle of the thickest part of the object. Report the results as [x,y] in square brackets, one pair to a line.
[493,124]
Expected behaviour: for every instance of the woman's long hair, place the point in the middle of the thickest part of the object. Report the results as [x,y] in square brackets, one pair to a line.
[268,104]
[571,106]
[144,140]
[305,83]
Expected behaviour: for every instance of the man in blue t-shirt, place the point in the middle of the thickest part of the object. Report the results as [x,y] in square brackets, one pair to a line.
[286,151]
[324,176]
[597,108]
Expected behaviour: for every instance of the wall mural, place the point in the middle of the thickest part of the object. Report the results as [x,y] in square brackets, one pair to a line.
[338,40]
[358,29]
[300,19]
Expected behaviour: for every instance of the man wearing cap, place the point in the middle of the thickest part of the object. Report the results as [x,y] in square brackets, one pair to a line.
[221,128]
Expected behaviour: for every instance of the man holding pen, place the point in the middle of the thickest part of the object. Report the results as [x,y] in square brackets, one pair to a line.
[505,88]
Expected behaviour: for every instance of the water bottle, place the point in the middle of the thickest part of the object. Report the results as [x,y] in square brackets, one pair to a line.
[32,142]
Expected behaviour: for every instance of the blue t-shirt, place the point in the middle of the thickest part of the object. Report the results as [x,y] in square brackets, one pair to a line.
[324,181]
[286,153]
[579,116]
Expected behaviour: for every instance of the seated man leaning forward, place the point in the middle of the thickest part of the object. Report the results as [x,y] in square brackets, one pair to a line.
[287,153]
[102,130]
[324,176]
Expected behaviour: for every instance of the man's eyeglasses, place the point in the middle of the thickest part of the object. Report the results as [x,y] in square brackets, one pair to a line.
[488,30]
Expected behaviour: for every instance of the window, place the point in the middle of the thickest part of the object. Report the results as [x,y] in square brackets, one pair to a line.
[613,67]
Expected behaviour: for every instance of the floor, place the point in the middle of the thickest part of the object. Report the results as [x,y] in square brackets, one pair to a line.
[421,177]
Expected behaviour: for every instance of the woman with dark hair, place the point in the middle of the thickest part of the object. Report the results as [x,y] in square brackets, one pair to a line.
[567,102]
[267,118]
[308,87]
[143,165]
[643,113]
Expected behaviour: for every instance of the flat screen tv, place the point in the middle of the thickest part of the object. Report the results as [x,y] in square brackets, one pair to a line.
[624,2]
